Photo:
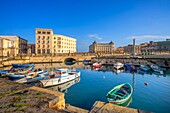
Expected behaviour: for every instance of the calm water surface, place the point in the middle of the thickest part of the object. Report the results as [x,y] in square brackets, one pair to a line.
[93,85]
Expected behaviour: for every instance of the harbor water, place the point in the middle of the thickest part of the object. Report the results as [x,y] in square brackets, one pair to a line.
[94,84]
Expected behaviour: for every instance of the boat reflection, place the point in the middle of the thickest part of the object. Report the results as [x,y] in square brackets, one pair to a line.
[63,87]
[117,71]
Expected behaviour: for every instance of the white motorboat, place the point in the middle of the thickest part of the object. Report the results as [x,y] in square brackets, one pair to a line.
[118,65]
[61,76]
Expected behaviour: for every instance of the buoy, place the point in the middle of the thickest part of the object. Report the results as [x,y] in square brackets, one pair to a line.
[146,83]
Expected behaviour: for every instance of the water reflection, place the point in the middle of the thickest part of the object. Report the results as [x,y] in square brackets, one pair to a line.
[63,87]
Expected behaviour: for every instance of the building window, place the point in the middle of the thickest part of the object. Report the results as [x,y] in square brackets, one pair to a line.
[38,37]
[43,46]
[58,50]
[54,50]
[43,32]
[59,38]
[38,32]
[48,38]
[39,51]
[54,38]
[43,51]
[38,46]
[48,51]
[48,46]
[48,32]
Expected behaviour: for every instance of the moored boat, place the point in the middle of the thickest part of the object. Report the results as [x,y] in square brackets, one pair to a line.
[22,65]
[157,69]
[144,68]
[23,72]
[130,67]
[120,94]
[34,77]
[61,76]
[97,65]
[118,65]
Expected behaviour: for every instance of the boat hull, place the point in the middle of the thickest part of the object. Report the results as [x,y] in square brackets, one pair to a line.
[58,80]
[116,96]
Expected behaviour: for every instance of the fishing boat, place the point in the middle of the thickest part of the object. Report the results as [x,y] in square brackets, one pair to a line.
[86,61]
[97,65]
[23,72]
[118,65]
[34,77]
[61,76]
[144,68]
[22,65]
[157,69]
[16,68]
[120,94]
[130,67]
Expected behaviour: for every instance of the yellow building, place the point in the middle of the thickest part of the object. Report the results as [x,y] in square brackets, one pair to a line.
[101,47]
[47,42]
[13,43]
[7,47]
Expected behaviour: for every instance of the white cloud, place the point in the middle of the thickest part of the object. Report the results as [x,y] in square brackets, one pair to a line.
[96,36]
[149,37]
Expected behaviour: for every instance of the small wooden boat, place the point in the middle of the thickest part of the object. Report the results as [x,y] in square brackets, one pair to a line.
[130,67]
[34,77]
[61,76]
[120,94]
[22,65]
[157,69]
[144,68]
[22,73]
[118,65]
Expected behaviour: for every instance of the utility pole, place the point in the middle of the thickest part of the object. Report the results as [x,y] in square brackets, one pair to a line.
[134,47]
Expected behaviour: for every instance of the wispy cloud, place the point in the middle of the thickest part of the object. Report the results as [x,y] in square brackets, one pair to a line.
[96,36]
[149,37]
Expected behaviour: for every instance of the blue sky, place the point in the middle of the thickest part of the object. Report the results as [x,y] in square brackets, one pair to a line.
[87,20]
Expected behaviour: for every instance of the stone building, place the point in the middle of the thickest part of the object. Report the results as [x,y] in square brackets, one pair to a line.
[119,50]
[101,47]
[18,44]
[31,49]
[156,47]
[163,46]
[47,42]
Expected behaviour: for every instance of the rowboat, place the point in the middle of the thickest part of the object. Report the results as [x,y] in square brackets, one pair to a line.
[61,76]
[130,67]
[118,65]
[144,68]
[157,69]
[34,77]
[120,94]
[22,65]
[22,73]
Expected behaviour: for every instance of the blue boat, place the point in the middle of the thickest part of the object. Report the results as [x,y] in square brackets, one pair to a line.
[22,65]
[20,73]
[16,68]
[144,68]
[130,67]
[86,61]
[157,69]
